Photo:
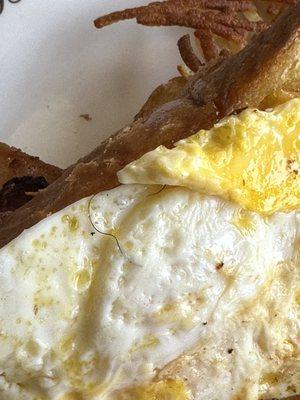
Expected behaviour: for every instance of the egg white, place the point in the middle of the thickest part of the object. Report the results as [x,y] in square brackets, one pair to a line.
[140,282]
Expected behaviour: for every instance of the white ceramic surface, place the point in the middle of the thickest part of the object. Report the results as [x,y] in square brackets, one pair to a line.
[55,66]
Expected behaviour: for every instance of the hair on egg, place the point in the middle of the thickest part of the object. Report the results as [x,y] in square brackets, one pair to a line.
[111,234]
[101,232]
[156,193]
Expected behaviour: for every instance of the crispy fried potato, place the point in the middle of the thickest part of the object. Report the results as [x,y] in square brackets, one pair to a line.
[263,67]
[21,173]
[15,163]
[270,62]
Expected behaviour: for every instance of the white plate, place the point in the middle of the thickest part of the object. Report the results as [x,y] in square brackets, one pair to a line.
[55,66]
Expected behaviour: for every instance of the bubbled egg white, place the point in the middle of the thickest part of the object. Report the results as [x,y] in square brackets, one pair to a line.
[134,283]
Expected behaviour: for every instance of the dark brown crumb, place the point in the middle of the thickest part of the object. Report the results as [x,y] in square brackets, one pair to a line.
[229,351]
[291,167]
[219,265]
[86,117]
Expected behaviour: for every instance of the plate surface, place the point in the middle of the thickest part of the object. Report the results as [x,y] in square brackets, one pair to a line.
[55,66]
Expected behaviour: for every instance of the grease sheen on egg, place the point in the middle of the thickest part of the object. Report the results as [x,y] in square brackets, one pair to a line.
[180,292]
[81,319]
[252,158]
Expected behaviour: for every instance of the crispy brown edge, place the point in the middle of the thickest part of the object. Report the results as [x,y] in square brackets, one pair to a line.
[223,90]
[263,66]
[15,163]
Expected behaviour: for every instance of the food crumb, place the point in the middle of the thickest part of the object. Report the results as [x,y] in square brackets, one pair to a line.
[86,117]
[219,265]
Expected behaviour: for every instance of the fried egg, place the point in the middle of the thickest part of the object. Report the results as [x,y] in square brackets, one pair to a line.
[159,291]
[252,158]
[182,281]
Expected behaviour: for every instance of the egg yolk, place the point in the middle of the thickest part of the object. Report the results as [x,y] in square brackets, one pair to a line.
[252,158]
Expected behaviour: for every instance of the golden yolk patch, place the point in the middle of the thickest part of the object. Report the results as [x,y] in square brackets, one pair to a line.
[163,390]
[252,158]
